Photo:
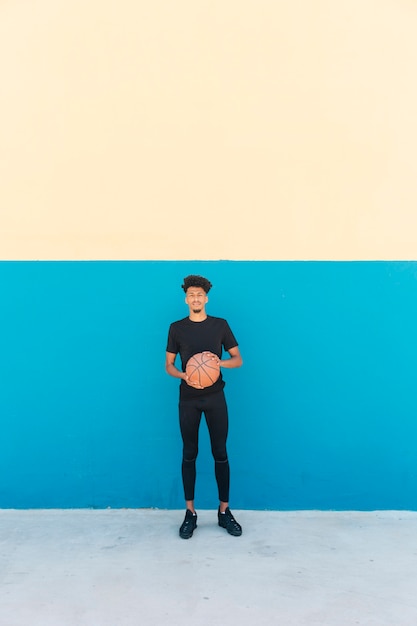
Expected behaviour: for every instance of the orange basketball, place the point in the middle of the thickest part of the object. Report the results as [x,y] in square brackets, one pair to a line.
[202,369]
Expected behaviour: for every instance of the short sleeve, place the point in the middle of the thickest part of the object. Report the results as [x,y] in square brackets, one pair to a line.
[229,340]
[172,343]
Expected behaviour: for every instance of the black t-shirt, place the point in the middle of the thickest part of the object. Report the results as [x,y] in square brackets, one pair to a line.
[187,338]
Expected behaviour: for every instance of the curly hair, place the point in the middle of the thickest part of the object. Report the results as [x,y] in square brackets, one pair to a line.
[194,280]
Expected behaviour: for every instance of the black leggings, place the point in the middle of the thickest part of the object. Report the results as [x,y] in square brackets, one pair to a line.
[215,411]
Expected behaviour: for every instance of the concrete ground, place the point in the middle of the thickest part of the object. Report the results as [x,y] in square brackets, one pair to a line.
[129,567]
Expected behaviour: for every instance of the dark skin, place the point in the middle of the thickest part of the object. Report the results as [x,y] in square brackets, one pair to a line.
[196,299]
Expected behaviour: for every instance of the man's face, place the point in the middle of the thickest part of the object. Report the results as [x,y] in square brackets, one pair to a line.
[196,299]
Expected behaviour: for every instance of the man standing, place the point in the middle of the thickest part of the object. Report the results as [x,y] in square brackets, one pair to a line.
[200,332]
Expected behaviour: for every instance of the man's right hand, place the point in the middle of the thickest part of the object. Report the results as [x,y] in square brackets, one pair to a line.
[189,382]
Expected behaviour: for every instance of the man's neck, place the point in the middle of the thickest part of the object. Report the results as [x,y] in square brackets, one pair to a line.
[198,317]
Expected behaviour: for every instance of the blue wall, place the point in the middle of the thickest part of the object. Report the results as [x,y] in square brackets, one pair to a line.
[323,412]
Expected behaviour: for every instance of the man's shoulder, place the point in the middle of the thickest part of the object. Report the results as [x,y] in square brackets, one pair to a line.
[180,322]
[219,320]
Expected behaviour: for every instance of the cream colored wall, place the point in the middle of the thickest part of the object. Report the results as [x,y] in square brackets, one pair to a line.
[209,129]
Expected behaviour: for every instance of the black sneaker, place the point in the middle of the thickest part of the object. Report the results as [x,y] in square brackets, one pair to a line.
[189,525]
[227,521]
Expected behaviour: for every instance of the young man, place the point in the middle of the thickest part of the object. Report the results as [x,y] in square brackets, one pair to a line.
[200,332]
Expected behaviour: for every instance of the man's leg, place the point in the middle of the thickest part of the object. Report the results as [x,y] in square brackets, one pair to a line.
[216,414]
[190,417]
[218,425]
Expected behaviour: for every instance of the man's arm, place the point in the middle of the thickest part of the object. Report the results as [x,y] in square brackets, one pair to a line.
[170,366]
[235,359]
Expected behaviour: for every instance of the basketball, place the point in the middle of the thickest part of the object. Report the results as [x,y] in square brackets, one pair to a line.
[202,369]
